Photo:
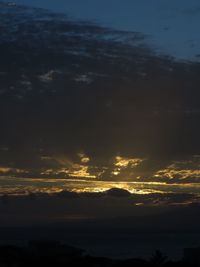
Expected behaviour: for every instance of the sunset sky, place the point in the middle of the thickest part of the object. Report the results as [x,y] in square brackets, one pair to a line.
[96,95]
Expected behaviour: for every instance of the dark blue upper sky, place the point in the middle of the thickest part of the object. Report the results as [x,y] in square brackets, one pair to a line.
[173,26]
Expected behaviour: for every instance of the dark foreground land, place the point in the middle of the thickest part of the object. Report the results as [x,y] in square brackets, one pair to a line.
[53,253]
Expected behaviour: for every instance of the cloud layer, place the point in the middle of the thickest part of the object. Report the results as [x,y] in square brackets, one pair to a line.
[82,101]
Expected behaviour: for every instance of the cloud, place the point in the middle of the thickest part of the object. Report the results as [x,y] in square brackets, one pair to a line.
[181,171]
[138,116]
[179,174]
[124,162]
[84,158]
[9,171]
[5,170]
[49,76]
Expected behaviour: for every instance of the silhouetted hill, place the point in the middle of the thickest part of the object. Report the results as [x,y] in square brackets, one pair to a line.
[53,253]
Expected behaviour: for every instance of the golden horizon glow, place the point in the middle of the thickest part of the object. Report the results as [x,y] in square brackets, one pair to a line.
[27,186]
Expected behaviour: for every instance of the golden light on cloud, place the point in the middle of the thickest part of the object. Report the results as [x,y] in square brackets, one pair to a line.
[81,171]
[69,168]
[125,162]
[174,172]
[83,158]
[76,170]
[84,169]
[6,170]
[116,172]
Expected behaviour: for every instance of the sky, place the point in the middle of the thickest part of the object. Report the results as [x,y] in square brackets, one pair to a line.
[79,103]
[172,26]
[99,115]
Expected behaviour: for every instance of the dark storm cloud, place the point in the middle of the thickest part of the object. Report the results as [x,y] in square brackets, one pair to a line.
[70,87]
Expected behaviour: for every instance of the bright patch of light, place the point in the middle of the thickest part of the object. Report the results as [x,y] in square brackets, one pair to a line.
[81,171]
[125,162]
